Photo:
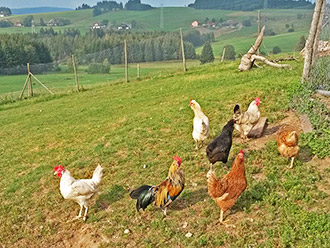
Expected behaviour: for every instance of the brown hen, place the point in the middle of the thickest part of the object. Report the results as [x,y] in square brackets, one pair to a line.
[225,191]
[287,142]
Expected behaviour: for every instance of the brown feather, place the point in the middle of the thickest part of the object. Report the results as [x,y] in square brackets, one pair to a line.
[226,190]
[287,142]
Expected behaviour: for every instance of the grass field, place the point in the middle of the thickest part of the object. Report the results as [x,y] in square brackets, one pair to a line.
[133,130]
[11,86]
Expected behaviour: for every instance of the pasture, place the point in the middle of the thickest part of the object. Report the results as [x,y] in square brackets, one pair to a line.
[133,130]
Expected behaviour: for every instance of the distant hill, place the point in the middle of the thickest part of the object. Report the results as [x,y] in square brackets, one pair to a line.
[36,10]
[248,5]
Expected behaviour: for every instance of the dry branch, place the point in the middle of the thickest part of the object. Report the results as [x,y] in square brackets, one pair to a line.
[250,57]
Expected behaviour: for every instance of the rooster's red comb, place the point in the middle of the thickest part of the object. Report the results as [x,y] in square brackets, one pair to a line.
[241,151]
[178,159]
[58,167]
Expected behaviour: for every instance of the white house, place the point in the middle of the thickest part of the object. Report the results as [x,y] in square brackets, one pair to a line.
[195,24]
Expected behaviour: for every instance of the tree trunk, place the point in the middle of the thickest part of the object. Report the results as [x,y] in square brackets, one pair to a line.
[312,38]
[248,59]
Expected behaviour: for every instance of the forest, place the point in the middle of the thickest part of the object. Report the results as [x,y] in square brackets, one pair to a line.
[248,5]
[94,47]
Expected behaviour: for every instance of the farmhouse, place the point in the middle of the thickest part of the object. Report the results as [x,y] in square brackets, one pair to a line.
[97,25]
[125,26]
[195,24]
[52,23]
[18,24]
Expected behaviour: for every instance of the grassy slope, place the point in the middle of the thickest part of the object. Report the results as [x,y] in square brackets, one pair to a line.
[174,18]
[57,81]
[127,126]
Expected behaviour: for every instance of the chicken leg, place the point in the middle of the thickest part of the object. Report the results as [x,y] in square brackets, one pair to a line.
[292,159]
[221,216]
[85,215]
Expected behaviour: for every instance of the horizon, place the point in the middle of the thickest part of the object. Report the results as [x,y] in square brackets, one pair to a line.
[72,4]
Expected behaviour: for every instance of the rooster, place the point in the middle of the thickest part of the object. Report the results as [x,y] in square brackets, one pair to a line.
[201,123]
[79,190]
[226,190]
[219,148]
[287,142]
[247,120]
[163,194]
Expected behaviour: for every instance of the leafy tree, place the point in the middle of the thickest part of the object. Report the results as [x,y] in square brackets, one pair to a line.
[137,5]
[207,54]
[97,11]
[83,6]
[246,23]
[5,24]
[27,21]
[96,68]
[230,52]
[5,11]
[42,23]
[276,50]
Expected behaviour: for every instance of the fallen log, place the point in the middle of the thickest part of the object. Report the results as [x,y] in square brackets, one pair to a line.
[250,57]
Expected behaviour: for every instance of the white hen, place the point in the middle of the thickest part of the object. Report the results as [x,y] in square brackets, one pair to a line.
[201,123]
[79,190]
[244,122]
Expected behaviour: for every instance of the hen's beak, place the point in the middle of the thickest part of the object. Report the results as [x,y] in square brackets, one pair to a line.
[55,173]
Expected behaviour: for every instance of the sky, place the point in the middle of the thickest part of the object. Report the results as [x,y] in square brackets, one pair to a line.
[75,3]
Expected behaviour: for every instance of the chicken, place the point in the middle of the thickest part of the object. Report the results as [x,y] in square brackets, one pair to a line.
[219,148]
[226,190]
[247,120]
[287,142]
[200,122]
[163,194]
[78,190]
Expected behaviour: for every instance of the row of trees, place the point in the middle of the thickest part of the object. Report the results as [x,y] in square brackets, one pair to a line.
[5,11]
[247,5]
[95,47]
[17,49]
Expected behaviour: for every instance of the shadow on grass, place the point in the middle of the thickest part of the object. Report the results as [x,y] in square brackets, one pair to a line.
[305,154]
[115,193]
[190,198]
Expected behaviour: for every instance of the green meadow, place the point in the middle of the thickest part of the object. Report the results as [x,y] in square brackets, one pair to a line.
[133,130]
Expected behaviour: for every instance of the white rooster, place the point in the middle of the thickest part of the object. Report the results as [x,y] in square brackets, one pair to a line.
[79,190]
[245,121]
[201,123]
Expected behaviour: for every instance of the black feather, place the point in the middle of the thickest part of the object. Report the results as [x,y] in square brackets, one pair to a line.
[236,108]
[144,196]
[219,148]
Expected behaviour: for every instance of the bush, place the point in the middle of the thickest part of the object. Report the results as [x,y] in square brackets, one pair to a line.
[276,50]
[207,54]
[302,100]
[269,32]
[230,52]
[95,68]
[246,23]
[290,30]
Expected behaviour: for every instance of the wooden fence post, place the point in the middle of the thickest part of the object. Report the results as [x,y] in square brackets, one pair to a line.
[75,72]
[138,70]
[126,64]
[183,55]
[30,89]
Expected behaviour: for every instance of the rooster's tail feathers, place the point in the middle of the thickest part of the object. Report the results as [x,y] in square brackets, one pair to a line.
[144,196]
[97,175]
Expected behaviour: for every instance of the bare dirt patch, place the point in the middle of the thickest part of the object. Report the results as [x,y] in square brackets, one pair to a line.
[270,132]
